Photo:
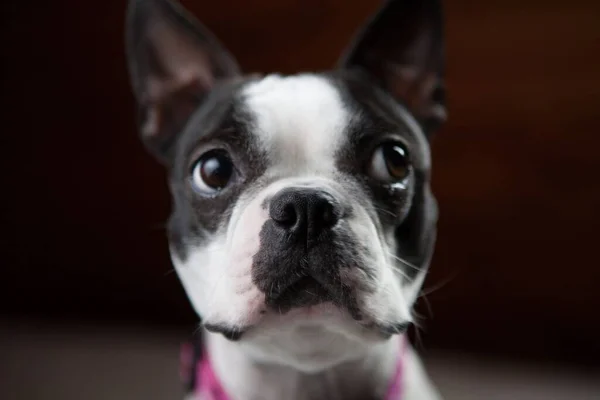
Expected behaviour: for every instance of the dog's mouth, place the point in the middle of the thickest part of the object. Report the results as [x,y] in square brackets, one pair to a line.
[304,292]
[308,297]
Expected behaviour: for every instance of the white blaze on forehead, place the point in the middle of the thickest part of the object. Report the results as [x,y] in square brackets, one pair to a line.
[300,121]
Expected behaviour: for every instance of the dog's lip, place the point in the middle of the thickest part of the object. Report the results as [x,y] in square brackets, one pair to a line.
[233,334]
[319,313]
[394,329]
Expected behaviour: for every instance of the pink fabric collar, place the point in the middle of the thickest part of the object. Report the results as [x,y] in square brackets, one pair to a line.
[206,386]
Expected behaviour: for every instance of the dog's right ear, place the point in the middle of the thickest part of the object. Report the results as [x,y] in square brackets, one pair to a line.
[173,63]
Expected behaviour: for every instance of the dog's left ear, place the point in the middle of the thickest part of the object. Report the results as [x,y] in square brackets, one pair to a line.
[402,49]
[174,61]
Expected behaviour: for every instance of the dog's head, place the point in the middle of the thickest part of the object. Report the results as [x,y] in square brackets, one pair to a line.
[303,221]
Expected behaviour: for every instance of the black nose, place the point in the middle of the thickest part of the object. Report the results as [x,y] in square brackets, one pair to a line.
[304,213]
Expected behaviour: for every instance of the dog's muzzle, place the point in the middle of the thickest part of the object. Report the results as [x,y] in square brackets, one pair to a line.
[298,263]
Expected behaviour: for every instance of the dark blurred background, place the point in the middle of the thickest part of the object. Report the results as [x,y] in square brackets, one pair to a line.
[516,272]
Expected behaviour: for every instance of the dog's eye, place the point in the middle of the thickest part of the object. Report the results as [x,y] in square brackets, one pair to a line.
[389,163]
[212,172]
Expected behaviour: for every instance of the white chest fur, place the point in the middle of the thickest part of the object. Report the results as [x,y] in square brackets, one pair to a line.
[244,380]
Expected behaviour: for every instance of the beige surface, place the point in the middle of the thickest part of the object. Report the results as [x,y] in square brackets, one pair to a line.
[42,362]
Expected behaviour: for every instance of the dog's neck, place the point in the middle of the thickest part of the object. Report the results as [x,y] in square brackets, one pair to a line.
[243,377]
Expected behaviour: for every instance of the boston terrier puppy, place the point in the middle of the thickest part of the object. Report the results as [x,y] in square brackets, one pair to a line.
[303,222]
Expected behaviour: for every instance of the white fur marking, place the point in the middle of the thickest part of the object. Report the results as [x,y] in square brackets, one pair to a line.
[300,121]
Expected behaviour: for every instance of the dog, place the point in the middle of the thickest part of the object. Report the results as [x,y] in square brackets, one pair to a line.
[303,222]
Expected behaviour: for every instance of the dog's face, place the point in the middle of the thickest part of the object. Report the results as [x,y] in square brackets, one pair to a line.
[303,223]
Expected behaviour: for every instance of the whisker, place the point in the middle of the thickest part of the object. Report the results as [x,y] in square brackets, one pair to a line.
[426,292]
[418,338]
[332,341]
[402,273]
[214,290]
[403,261]
[427,304]
[386,211]
[417,315]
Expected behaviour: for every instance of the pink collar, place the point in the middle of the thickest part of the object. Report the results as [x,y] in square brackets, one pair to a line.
[204,384]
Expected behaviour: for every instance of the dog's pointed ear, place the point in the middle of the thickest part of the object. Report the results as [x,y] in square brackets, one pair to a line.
[173,63]
[402,49]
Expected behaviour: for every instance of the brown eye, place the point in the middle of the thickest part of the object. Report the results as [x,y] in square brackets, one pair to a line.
[212,172]
[389,163]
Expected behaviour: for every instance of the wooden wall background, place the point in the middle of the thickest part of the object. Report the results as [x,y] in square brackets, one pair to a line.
[516,168]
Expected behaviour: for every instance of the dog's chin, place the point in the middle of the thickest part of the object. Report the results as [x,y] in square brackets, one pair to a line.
[310,338]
